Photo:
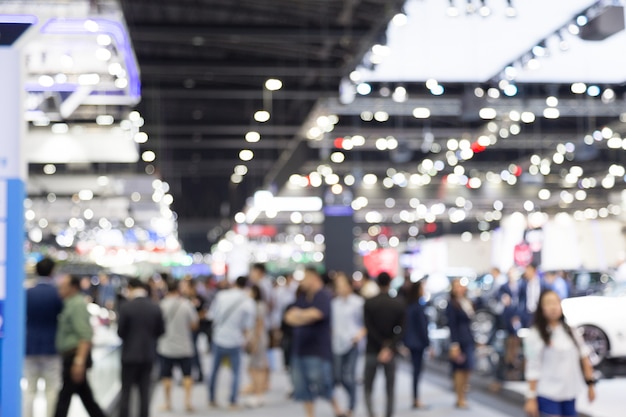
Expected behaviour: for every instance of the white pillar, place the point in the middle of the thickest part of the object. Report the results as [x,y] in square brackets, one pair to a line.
[12,175]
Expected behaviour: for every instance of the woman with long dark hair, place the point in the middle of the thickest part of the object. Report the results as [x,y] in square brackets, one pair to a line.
[557,362]
[460,313]
[416,336]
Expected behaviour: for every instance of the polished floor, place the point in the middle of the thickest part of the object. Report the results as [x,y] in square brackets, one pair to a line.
[435,391]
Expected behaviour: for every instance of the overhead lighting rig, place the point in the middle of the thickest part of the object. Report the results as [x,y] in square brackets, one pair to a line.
[597,22]
[481,7]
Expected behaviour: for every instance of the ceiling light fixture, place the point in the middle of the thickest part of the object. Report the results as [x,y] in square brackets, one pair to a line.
[510,10]
[452,10]
[253,137]
[273,84]
[484,10]
[262,116]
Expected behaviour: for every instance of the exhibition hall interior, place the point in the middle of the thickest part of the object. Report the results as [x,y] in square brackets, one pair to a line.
[436,141]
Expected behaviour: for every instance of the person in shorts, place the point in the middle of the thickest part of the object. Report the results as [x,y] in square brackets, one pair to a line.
[311,365]
[175,347]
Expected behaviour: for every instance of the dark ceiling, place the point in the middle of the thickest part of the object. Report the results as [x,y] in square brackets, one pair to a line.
[203,67]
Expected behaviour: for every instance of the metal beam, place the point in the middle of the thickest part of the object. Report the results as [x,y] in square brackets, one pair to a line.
[219,143]
[201,34]
[222,130]
[191,68]
[173,93]
[453,107]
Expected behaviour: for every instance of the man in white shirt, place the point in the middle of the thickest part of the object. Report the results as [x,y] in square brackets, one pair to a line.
[233,315]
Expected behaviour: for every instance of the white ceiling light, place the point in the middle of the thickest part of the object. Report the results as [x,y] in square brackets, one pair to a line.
[421,113]
[141,137]
[85,195]
[528,117]
[399,95]
[253,137]
[246,155]
[121,83]
[337,157]
[241,170]
[381,116]
[262,116]
[148,156]
[60,128]
[363,89]
[46,81]
[487,113]
[551,113]
[370,179]
[399,19]
[273,84]
[104,120]
[578,88]
[552,101]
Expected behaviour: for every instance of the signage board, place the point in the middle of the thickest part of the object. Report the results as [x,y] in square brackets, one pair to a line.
[4,199]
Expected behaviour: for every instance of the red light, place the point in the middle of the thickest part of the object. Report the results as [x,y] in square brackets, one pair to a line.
[338,143]
[478,148]
[430,228]
[517,171]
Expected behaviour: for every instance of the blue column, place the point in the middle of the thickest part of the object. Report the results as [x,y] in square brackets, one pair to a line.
[12,174]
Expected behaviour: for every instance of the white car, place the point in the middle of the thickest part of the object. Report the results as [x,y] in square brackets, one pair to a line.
[602,320]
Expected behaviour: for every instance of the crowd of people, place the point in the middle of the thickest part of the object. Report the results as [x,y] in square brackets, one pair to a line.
[322,323]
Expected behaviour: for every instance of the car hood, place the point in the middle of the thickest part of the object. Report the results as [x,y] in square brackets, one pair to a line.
[579,308]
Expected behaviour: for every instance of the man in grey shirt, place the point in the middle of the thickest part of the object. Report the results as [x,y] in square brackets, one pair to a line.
[233,315]
[176,346]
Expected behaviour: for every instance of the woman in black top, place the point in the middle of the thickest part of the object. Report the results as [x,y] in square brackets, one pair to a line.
[460,313]
[416,335]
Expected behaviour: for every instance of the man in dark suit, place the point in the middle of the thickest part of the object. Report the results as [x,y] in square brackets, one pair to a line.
[384,318]
[528,297]
[43,306]
[140,325]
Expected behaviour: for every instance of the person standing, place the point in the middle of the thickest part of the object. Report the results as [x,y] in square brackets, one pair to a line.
[416,336]
[509,299]
[73,341]
[384,319]
[529,291]
[140,324]
[257,346]
[106,292]
[43,306]
[557,362]
[311,365]
[233,317]
[460,313]
[189,290]
[259,277]
[176,345]
[347,332]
